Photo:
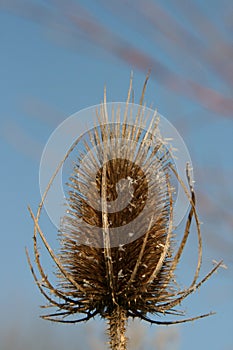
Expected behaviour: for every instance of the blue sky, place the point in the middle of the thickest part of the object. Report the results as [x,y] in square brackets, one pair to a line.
[50,70]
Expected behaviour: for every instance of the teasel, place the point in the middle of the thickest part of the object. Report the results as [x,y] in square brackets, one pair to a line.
[99,271]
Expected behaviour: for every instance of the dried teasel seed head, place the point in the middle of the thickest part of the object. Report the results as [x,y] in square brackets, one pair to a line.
[117,255]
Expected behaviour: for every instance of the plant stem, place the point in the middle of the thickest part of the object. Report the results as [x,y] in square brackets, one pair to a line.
[117,329]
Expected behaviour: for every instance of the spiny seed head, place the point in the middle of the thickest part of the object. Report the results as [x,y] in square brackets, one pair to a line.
[129,279]
[117,253]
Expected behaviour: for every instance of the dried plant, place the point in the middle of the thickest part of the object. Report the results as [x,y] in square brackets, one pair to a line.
[109,278]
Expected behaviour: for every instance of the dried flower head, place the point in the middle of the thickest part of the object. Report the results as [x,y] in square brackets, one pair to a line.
[128,272]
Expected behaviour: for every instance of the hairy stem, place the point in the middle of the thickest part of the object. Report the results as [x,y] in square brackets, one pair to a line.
[117,329]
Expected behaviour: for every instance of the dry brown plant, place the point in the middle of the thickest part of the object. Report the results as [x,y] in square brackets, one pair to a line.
[113,280]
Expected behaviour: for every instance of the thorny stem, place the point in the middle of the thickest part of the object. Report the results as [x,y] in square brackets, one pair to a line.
[117,329]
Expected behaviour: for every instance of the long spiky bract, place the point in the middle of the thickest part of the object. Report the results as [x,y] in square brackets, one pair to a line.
[117,276]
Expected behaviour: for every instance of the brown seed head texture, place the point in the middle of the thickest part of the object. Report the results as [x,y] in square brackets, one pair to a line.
[126,275]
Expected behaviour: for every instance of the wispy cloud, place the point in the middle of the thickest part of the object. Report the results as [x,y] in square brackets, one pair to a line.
[213,54]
